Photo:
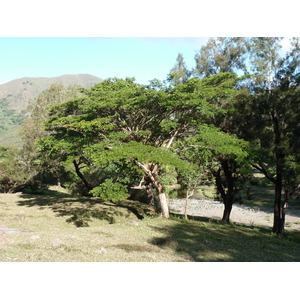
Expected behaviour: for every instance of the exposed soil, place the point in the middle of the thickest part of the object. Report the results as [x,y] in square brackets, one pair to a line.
[240,214]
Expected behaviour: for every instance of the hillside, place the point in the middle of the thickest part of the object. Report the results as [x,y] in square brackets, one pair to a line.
[20,92]
[17,94]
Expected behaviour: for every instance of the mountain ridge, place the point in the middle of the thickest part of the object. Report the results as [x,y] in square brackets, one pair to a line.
[19,92]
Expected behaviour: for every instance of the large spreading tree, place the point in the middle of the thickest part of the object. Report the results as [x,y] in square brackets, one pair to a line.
[119,122]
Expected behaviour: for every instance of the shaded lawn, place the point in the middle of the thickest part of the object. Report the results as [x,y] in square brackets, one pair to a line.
[52,233]
[211,240]
[81,211]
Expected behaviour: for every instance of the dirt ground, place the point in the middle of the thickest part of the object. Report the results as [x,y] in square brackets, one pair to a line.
[240,213]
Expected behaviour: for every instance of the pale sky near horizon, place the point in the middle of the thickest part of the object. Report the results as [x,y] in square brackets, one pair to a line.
[142,58]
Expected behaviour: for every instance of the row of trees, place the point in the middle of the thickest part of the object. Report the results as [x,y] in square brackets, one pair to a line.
[235,112]
[265,111]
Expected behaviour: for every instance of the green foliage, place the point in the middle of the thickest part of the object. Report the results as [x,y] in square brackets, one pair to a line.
[265,59]
[8,117]
[179,74]
[121,123]
[111,191]
[3,152]
[221,143]
[223,54]
[14,171]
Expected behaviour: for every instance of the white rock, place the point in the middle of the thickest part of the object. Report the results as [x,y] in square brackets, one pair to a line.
[101,250]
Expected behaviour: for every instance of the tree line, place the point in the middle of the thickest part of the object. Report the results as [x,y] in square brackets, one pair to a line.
[236,112]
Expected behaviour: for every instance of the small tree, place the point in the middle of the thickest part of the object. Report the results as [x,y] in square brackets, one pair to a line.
[223,155]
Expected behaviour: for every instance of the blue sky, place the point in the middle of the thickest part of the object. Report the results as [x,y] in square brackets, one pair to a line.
[143,58]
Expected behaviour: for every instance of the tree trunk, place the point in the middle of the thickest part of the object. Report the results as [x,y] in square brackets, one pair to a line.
[284,207]
[188,195]
[152,173]
[226,212]
[149,191]
[163,205]
[226,190]
[277,225]
[186,207]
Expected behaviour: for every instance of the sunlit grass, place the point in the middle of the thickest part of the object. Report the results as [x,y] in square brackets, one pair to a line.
[75,229]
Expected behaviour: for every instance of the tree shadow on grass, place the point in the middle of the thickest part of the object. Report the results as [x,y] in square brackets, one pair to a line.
[211,240]
[80,211]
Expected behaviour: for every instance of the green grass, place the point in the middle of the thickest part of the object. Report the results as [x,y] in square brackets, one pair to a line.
[76,229]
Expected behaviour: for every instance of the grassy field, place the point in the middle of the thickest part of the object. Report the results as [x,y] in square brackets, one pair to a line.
[65,229]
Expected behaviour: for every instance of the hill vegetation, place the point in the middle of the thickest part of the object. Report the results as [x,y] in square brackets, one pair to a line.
[19,93]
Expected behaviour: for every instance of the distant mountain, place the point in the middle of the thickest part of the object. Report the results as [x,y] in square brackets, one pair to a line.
[20,92]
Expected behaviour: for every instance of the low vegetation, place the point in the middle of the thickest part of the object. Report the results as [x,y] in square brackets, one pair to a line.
[57,227]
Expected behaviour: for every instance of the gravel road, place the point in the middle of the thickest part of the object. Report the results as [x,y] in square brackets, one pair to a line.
[240,213]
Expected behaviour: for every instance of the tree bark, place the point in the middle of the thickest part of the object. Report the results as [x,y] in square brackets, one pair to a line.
[150,194]
[278,224]
[188,195]
[227,191]
[226,212]
[164,205]
[149,191]
[152,173]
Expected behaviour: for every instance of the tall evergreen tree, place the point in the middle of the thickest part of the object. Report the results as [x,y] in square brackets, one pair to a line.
[179,74]
[222,54]
[272,98]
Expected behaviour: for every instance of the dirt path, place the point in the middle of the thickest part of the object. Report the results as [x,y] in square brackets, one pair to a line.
[240,213]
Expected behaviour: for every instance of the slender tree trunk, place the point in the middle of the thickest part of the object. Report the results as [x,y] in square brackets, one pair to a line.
[284,207]
[278,225]
[186,208]
[188,195]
